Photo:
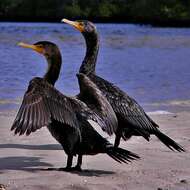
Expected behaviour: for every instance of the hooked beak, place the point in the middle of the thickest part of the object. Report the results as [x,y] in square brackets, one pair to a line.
[75,24]
[34,47]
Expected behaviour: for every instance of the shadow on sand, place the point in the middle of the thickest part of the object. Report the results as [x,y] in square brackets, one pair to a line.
[96,173]
[33,164]
[22,163]
[32,147]
[88,173]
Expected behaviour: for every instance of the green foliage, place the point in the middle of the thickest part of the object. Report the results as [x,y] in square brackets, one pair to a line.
[106,9]
[72,10]
[102,9]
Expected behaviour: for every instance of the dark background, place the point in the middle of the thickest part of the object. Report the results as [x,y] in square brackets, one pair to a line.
[155,12]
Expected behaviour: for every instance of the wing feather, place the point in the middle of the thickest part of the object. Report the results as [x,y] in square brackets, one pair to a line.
[42,103]
[93,97]
[126,108]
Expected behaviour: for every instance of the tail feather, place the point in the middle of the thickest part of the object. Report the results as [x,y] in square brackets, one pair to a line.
[171,144]
[121,155]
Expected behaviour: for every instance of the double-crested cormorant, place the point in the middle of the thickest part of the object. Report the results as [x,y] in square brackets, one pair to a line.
[132,119]
[67,118]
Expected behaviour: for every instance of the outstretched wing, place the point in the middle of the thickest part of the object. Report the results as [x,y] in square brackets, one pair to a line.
[92,96]
[41,104]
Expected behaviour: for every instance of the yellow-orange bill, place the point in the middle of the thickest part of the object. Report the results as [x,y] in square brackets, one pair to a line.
[74,23]
[34,47]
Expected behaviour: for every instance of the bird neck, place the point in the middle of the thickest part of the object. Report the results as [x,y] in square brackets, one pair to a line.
[92,46]
[54,67]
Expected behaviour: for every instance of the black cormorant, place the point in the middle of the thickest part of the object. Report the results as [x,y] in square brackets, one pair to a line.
[67,118]
[132,119]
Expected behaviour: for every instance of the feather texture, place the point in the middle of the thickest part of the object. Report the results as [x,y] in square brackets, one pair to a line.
[42,103]
[93,97]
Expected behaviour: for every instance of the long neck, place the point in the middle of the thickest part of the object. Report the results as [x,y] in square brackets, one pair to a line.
[54,66]
[89,63]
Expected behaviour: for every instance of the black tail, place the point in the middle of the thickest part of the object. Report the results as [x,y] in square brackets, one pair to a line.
[171,144]
[120,155]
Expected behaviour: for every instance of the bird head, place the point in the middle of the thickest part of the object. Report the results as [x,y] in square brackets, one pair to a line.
[46,48]
[84,26]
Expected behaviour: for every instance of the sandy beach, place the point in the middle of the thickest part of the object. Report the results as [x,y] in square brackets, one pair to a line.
[24,161]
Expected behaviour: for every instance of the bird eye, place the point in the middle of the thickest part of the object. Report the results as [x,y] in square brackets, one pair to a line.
[40,46]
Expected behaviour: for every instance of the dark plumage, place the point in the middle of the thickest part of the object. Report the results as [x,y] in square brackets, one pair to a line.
[132,120]
[92,96]
[67,118]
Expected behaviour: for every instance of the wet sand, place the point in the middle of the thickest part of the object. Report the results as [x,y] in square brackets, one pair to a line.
[24,161]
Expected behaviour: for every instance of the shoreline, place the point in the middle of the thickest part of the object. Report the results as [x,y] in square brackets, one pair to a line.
[10,107]
[143,22]
[24,160]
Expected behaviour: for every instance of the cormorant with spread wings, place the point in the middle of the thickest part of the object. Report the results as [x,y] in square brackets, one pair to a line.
[67,118]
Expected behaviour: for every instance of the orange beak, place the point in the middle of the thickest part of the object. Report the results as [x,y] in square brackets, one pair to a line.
[75,24]
[34,47]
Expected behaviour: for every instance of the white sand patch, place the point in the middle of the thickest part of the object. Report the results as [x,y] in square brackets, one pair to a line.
[159,112]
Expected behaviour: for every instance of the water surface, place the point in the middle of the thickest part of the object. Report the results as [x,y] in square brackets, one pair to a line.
[150,64]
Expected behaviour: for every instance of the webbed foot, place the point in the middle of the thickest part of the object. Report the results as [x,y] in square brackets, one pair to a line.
[77,168]
[66,169]
[71,169]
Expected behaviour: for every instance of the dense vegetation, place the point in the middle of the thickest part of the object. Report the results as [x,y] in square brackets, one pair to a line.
[145,11]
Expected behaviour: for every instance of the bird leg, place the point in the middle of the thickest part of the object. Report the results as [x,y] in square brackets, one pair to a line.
[79,163]
[69,164]
[117,139]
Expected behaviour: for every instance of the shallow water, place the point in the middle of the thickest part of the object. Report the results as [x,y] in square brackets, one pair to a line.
[151,64]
